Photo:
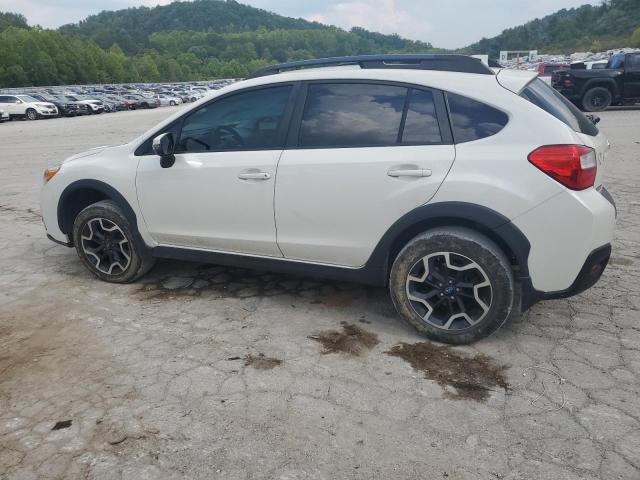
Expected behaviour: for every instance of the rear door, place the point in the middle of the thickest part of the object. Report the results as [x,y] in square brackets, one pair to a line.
[359,156]
[632,76]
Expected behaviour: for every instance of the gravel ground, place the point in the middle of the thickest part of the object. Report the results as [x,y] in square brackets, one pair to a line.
[203,372]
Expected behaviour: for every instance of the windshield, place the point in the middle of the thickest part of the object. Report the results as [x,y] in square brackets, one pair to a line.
[28,98]
[554,103]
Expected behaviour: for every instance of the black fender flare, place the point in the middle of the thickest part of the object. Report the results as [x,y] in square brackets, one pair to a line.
[485,220]
[601,82]
[65,224]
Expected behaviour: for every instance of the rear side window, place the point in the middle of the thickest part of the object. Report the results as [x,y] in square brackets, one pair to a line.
[633,62]
[554,103]
[356,115]
[349,115]
[473,120]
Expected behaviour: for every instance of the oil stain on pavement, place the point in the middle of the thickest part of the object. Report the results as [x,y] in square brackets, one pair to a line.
[471,378]
[352,340]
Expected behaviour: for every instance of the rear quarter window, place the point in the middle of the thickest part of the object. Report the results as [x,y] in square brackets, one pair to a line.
[473,120]
[554,103]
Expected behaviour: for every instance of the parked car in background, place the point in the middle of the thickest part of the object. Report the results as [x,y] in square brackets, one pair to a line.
[25,106]
[596,89]
[468,193]
[65,108]
[167,100]
[141,101]
[93,106]
[545,70]
[594,65]
[4,116]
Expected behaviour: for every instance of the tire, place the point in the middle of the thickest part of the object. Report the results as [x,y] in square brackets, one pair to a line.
[129,258]
[145,105]
[596,99]
[31,114]
[172,103]
[467,273]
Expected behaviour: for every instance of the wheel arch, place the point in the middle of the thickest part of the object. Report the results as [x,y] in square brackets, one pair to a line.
[82,193]
[483,220]
[607,83]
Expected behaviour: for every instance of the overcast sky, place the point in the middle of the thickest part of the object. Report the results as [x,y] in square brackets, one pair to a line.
[444,23]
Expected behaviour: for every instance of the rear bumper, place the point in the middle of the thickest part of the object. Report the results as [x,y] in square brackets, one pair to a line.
[589,275]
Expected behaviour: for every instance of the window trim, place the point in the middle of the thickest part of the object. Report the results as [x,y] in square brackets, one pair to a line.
[442,116]
[144,149]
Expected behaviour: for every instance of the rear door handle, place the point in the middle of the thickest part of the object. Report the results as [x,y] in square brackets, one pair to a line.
[254,176]
[417,172]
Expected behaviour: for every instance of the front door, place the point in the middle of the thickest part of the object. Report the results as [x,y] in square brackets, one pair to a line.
[366,154]
[218,195]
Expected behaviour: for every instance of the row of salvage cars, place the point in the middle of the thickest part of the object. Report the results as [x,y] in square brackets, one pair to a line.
[47,103]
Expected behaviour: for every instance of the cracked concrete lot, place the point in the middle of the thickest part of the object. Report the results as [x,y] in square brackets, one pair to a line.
[203,372]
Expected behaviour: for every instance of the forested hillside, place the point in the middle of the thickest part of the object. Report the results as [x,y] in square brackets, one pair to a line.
[613,24]
[182,41]
[131,28]
[207,39]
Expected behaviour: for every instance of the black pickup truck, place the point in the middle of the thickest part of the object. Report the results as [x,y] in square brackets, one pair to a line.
[595,90]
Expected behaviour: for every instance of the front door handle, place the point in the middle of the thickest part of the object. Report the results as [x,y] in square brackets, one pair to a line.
[414,172]
[254,176]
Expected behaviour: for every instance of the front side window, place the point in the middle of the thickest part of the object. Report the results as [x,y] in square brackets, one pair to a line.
[473,120]
[247,120]
[349,115]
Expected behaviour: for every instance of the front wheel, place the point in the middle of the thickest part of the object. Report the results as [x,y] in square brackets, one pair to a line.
[453,285]
[596,99]
[107,246]
[32,114]
[172,103]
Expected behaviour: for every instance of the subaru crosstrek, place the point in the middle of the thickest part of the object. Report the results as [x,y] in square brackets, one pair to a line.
[468,192]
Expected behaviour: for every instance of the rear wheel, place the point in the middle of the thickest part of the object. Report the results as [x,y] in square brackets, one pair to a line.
[107,246]
[32,114]
[453,285]
[596,99]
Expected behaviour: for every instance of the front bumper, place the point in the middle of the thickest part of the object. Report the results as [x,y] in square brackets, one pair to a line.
[48,112]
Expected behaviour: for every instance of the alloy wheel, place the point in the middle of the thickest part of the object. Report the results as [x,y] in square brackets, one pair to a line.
[449,291]
[106,246]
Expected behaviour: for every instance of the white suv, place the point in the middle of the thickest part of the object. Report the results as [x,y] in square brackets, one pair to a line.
[25,106]
[467,192]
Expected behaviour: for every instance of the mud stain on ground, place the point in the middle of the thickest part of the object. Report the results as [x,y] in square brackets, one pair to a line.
[261,362]
[352,340]
[462,377]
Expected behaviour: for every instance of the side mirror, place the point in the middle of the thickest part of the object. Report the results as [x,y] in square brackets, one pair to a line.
[594,119]
[163,146]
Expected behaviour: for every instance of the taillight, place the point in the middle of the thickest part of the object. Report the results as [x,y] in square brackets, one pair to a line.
[574,166]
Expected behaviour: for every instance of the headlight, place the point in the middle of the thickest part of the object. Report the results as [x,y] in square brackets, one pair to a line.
[49,173]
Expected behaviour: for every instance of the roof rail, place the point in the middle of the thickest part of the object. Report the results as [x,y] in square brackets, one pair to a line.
[447,63]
